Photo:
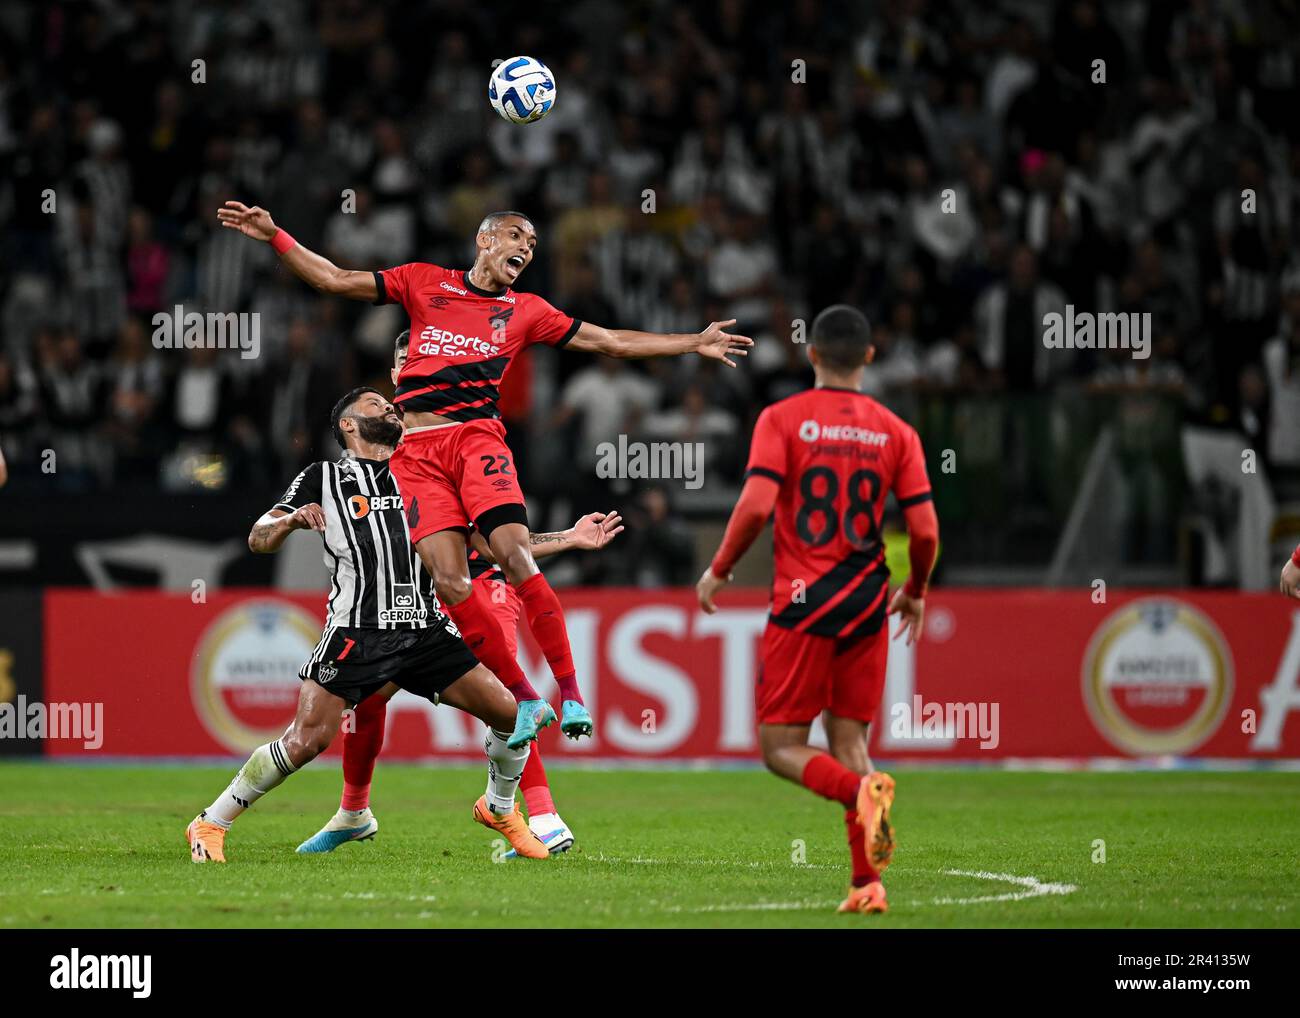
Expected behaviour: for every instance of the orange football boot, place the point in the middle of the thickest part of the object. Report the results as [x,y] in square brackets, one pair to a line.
[515,829]
[207,841]
[866,900]
[875,798]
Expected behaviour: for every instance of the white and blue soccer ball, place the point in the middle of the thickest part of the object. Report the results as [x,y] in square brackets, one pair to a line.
[522,90]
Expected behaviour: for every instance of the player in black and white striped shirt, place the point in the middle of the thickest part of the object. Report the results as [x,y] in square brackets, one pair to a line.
[384,626]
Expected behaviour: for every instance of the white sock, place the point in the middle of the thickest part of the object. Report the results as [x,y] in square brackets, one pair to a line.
[264,770]
[505,768]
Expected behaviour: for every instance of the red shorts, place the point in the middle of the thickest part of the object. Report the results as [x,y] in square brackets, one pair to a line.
[450,475]
[802,675]
[505,605]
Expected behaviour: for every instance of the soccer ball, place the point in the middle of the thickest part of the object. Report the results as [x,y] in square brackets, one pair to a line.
[521,89]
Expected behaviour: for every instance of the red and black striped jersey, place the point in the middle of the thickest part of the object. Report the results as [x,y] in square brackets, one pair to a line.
[479,566]
[836,454]
[463,338]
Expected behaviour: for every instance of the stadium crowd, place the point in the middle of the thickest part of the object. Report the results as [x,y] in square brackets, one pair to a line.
[956,169]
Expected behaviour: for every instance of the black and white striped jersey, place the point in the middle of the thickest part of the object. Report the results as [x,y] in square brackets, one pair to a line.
[377,580]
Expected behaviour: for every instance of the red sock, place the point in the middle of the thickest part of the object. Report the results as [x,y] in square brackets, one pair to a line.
[830,779]
[863,872]
[537,793]
[361,748]
[546,620]
[481,630]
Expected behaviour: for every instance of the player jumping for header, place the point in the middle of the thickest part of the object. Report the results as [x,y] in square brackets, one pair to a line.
[826,459]
[453,466]
[382,626]
[355,821]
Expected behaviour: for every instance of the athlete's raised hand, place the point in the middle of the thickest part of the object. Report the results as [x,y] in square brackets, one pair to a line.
[252,222]
[307,517]
[717,344]
[912,611]
[595,530]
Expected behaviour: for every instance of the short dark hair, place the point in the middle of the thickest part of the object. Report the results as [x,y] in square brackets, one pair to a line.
[492,218]
[402,341]
[342,407]
[841,335]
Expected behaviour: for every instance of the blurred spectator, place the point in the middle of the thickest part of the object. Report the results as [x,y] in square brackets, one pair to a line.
[133,390]
[660,551]
[609,399]
[742,272]
[1009,320]
[148,264]
[1282,371]
[698,420]
[300,395]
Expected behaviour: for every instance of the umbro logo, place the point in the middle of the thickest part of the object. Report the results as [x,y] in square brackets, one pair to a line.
[439,302]
[413,513]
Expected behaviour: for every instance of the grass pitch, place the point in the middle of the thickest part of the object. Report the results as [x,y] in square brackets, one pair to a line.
[104,847]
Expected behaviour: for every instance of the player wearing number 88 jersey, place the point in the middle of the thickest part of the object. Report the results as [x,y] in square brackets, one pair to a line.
[836,454]
[825,461]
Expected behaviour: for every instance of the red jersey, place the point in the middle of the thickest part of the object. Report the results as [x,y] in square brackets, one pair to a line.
[463,338]
[836,454]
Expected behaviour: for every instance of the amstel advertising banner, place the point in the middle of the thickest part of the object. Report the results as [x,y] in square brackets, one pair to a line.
[999,673]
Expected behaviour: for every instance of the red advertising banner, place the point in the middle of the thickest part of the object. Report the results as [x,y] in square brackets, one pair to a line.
[999,674]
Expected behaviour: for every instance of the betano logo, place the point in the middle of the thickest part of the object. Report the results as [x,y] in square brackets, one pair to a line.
[363,505]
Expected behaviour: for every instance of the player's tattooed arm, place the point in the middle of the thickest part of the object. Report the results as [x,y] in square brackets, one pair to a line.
[272,528]
[593,531]
[315,270]
[714,342]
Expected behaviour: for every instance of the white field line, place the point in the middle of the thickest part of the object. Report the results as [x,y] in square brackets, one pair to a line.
[1032,888]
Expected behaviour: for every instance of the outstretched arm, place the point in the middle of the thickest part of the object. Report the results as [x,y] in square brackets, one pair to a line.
[273,527]
[595,530]
[315,270]
[714,342]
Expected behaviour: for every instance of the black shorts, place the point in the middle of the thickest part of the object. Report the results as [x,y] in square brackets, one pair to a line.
[353,663]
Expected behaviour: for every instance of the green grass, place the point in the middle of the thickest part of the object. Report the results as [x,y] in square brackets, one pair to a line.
[104,846]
